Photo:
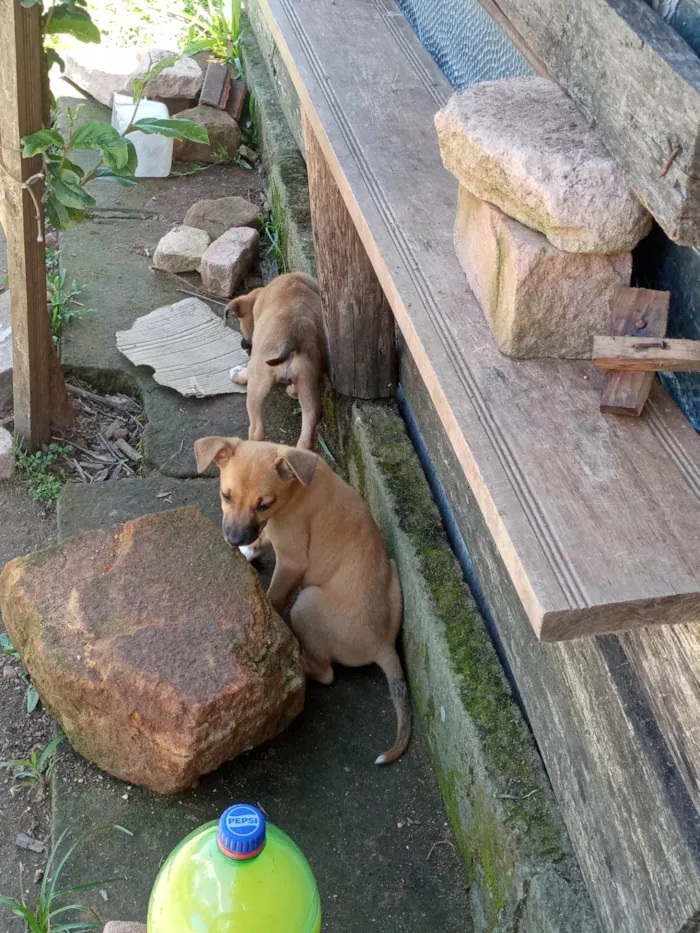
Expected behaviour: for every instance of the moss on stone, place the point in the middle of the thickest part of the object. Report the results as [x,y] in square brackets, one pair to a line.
[484,691]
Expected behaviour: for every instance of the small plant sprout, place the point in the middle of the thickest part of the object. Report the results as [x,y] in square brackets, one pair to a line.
[52,914]
[35,772]
[271,232]
[33,469]
[216,27]
[6,646]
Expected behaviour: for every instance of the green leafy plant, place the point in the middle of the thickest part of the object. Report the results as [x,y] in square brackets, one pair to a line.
[33,469]
[249,129]
[216,26]
[271,232]
[35,772]
[49,913]
[6,646]
[62,304]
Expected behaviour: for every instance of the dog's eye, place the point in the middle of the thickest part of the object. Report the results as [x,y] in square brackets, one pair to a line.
[263,506]
[226,496]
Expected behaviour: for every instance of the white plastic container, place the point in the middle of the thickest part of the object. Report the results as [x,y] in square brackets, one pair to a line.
[155,153]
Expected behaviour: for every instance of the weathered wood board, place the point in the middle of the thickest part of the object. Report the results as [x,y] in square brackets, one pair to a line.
[616,719]
[637,82]
[596,519]
[646,354]
[635,312]
[357,319]
[39,393]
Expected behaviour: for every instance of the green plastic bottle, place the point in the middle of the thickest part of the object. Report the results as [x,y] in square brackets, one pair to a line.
[235,875]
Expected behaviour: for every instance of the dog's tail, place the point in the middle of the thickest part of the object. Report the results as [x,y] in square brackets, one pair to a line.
[286,351]
[391,665]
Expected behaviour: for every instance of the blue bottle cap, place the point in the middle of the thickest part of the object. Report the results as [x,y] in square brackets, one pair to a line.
[241,831]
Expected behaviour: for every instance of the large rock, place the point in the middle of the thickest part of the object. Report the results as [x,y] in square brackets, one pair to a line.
[154,646]
[523,145]
[100,71]
[224,136]
[5,352]
[539,300]
[217,215]
[184,79]
[181,250]
[7,461]
[227,261]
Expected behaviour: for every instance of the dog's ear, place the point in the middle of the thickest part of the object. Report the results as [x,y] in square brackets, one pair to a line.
[244,304]
[220,449]
[297,464]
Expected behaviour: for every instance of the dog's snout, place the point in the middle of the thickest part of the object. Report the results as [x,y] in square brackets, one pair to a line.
[246,344]
[239,535]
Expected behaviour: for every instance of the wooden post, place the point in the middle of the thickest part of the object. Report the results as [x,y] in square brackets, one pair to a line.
[40,396]
[357,318]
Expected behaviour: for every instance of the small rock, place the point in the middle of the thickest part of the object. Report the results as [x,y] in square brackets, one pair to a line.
[217,215]
[224,136]
[523,145]
[538,300]
[181,250]
[7,461]
[121,434]
[119,926]
[9,672]
[32,845]
[38,875]
[250,155]
[184,662]
[100,71]
[183,79]
[5,352]
[227,261]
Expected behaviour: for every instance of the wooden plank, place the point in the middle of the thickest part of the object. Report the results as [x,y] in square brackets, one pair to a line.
[646,354]
[357,319]
[216,86]
[39,391]
[617,722]
[592,515]
[637,82]
[636,312]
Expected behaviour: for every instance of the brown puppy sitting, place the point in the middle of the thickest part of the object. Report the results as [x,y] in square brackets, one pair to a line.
[283,324]
[328,547]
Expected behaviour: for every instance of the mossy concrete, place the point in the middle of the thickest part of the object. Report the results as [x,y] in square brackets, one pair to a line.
[287,181]
[523,874]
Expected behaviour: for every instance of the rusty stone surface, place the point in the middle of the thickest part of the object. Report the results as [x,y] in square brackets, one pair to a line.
[154,646]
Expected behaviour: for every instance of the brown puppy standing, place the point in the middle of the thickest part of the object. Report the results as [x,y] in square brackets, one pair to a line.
[283,323]
[328,546]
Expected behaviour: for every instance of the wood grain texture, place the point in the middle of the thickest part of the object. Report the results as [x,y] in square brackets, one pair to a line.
[217,86]
[616,723]
[636,312]
[39,392]
[357,318]
[646,354]
[637,82]
[592,515]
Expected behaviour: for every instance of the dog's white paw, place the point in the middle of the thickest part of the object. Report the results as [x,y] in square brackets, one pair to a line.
[250,553]
[236,370]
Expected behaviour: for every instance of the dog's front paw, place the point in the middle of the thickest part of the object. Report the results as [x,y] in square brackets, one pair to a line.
[239,374]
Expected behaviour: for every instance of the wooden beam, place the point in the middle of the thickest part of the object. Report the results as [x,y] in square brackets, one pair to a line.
[636,81]
[357,318]
[646,354]
[39,391]
[636,312]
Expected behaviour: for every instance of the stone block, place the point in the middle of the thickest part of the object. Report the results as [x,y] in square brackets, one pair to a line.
[224,136]
[523,145]
[538,300]
[227,261]
[154,646]
[101,72]
[7,462]
[217,215]
[183,79]
[181,250]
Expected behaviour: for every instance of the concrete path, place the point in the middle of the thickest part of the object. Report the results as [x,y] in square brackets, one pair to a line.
[377,839]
